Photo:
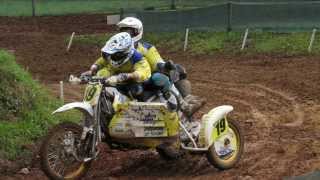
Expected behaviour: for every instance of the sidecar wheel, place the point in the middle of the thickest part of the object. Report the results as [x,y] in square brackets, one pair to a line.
[55,161]
[229,159]
[184,87]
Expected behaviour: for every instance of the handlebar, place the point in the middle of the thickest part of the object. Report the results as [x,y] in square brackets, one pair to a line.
[88,78]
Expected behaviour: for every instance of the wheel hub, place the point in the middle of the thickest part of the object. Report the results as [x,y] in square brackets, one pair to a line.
[225,145]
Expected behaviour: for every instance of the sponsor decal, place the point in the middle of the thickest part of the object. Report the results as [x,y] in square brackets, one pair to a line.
[154,131]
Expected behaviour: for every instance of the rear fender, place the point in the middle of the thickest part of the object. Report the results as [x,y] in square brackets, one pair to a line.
[210,122]
[81,106]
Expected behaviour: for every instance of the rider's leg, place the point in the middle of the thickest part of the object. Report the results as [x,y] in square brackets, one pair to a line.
[171,93]
[162,82]
[190,104]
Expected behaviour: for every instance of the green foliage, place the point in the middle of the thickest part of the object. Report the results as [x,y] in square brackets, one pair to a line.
[62,7]
[97,39]
[223,42]
[171,42]
[293,43]
[25,108]
[212,42]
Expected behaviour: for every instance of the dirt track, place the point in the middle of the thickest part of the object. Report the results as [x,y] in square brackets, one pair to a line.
[276,101]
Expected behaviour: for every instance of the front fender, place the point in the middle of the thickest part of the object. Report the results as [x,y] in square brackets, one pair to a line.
[211,119]
[82,106]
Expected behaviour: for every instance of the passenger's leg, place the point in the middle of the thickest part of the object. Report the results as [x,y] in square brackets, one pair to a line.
[162,82]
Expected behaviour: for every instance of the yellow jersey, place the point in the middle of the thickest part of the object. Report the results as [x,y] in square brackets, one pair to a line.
[137,64]
[150,53]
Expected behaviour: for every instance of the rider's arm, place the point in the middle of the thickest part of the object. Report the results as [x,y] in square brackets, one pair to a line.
[94,68]
[99,64]
[151,54]
[142,70]
[154,57]
[102,68]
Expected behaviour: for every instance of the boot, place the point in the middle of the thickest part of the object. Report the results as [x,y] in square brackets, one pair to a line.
[191,104]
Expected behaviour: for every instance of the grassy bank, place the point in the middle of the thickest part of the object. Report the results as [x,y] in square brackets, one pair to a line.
[25,109]
[224,42]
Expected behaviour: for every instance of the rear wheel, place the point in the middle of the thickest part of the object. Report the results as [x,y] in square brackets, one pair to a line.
[61,154]
[226,151]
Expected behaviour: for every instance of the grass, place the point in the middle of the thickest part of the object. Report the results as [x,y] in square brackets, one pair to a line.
[61,7]
[25,109]
[223,42]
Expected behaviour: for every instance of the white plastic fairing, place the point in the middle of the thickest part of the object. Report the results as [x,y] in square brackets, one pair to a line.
[220,111]
[212,118]
[82,106]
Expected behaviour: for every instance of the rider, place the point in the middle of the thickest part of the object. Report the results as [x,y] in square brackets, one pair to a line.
[120,62]
[134,27]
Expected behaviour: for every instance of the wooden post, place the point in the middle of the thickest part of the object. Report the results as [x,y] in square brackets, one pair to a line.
[121,13]
[33,8]
[245,39]
[70,41]
[186,40]
[61,91]
[173,4]
[312,40]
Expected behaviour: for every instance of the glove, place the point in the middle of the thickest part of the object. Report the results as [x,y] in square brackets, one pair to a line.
[85,76]
[94,69]
[166,67]
[113,80]
[169,65]
[87,73]
[124,77]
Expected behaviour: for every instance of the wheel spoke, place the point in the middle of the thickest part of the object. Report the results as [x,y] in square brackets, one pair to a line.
[62,152]
[61,170]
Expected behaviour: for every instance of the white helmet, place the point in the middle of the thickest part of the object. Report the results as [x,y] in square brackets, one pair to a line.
[118,49]
[134,23]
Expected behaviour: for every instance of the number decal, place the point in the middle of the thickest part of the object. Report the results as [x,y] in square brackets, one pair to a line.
[221,126]
[90,93]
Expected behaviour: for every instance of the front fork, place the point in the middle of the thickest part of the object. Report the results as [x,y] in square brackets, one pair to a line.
[91,134]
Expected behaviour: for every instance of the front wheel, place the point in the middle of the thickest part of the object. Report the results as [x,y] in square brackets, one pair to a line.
[61,154]
[226,151]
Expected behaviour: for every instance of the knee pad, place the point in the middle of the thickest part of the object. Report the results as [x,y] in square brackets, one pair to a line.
[161,80]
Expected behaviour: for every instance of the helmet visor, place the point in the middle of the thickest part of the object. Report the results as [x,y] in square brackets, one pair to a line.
[119,56]
[133,32]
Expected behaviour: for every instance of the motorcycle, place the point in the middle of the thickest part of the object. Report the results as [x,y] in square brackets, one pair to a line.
[116,118]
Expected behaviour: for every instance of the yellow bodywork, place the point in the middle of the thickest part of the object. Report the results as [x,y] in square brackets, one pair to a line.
[92,93]
[144,123]
[219,129]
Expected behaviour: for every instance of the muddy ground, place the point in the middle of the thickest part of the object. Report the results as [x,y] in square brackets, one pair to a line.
[276,100]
